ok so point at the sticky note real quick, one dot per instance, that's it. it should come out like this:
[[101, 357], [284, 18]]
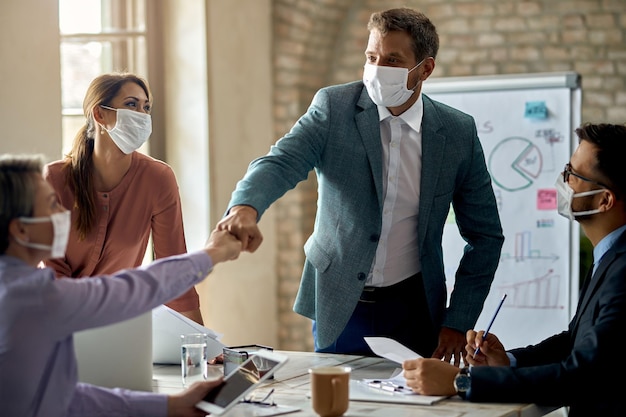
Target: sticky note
[[546, 199], [536, 110]]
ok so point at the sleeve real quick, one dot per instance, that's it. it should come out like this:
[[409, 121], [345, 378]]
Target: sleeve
[[168, 233], [97, 301], [53, 175], [93, 401], [479, 224], [288, 161]]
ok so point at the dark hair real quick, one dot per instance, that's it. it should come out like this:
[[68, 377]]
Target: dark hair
[[18, 177], [416, 24], [79, 161], [610, 143]]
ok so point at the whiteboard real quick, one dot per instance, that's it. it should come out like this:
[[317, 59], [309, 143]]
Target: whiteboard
[[526, 127]]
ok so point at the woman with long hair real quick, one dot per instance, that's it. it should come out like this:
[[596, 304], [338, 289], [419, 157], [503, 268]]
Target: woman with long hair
[[118, 196]]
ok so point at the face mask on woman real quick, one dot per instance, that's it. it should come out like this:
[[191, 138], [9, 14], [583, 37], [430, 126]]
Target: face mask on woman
[[386, 86], [61, 223], [565, 197], [132, 129]]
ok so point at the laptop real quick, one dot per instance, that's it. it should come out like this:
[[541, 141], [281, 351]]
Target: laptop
[[167, 326], [118, 355]]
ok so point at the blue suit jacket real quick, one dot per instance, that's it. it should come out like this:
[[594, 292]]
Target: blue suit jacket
[[574, 367], [339, 137]]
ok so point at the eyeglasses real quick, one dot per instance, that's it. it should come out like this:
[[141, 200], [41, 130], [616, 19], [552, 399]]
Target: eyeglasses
[[567, 171], [265, 402]]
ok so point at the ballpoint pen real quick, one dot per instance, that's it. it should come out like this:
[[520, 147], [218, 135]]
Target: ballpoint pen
[[491, 322]]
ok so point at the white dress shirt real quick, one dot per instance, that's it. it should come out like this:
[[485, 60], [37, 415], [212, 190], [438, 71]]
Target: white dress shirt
[[397, 254]]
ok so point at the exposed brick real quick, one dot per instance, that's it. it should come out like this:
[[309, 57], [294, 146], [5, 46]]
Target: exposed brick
[[573, 20], [526, 54], [620, 99], [555, 53], [601, 21], [545, 24], [604, 37], [595, 98], [528, 8], [574, 36], [594, 114], [616, 115], [490, 39], [510, 24]]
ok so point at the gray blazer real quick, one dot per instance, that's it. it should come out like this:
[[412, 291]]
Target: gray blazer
[[339, 137]]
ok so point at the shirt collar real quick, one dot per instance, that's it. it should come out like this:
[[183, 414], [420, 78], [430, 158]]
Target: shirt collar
[[411, 116], [605, 244]]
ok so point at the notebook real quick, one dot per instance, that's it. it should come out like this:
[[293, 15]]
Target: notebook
[[167, 326], [118, 355]]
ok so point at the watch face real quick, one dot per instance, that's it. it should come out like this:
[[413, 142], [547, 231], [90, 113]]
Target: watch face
[[462, 383]]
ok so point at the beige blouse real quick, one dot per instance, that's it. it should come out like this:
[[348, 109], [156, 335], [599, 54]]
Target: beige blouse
[[146, 200]]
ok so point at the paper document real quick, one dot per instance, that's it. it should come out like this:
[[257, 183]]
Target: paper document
[[396, 383], [390, 349], [394, 389], [362, 391]]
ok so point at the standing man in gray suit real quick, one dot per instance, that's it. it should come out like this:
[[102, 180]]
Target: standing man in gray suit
[[389, 162]]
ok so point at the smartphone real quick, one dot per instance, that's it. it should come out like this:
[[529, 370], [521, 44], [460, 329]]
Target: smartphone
[[246, 378]]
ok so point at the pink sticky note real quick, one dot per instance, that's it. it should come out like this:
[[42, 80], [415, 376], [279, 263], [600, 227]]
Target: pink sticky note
[[546, 199]]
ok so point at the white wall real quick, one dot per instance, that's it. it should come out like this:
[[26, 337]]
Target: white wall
[[30, 75], [219, 100]]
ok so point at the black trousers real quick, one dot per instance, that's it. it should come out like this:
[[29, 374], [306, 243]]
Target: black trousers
[[399, 312]]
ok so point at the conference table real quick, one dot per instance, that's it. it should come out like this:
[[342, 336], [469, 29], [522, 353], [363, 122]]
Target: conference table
[[290, 387]]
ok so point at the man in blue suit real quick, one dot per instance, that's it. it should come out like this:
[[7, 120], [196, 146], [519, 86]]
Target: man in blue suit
[[389, 163], [572, 368]]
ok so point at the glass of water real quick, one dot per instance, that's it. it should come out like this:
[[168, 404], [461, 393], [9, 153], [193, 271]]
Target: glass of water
[[193, 349]]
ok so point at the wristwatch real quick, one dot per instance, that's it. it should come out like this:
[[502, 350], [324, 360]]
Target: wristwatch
[[463, 382]]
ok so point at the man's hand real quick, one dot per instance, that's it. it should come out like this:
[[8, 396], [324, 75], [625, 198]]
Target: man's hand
[[430, 376], [184, 403], [492, 352], [222, 246], [451, 345], [241, 222]]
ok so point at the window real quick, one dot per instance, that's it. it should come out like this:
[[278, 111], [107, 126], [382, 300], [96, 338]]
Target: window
[[97, 36]]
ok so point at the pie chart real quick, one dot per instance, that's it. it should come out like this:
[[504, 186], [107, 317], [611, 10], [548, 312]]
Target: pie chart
[[515, 163]]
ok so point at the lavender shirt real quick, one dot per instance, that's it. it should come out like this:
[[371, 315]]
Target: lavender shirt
[[39, 314]]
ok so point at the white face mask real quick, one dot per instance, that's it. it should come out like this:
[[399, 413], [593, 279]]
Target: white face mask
[[566, 196], [61, 223], [386, 86], [132, 129]]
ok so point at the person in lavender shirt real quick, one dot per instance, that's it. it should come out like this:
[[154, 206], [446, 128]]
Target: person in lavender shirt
[[39, 314]]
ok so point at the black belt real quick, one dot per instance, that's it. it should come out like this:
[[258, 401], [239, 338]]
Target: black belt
[[401, 289]]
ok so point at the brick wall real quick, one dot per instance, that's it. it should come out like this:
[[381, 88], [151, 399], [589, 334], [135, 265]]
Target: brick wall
[[321, 42]]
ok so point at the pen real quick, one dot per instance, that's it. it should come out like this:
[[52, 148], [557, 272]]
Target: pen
[[491, 322]]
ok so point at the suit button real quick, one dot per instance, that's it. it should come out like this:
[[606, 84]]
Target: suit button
[[361, 276], [374, 238]]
